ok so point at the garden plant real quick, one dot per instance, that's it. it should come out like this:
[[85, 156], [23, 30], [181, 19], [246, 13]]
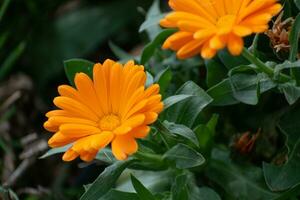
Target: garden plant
[[206, 109]]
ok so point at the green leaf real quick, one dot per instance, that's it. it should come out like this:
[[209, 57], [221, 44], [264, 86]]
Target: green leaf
[[285, 65], [205, 134], [297, 2], [239, 181], [294, 42], [290, 91], [56, 151], [182, 131], [119, 195], [247, 85], [205, 137], [184, 156], [222, 94], [283, 177], [212, 123], [151, 24], [76, 65], [3, 8], [216, 72], [179, 188], [105, 180], [154, 181], [152, 46], [10, 60], [163, 78], [170, 101], [187, 111], [141, 190], [245, 88]]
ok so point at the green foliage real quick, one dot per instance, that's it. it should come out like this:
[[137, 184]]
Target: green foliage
[[229, 128], [105, 180], [286, 176], [152, 46], [74, 66], [142, 192], [184, 156]]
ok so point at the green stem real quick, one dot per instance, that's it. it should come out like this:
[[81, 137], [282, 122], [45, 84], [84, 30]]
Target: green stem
[[262, 67], [149, 157]]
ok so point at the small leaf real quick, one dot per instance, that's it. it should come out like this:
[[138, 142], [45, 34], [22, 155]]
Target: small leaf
[[179, 188], [245, 88], [163, 78], [291, 92], [151, 24], [76, 65], [184, 156], [141, 190], [105, 180], [151, 47], [205, 137], [182, 131], [186, 112], [56, 151], [222, 94]]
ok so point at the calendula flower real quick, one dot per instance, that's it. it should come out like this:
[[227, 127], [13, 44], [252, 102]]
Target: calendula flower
[[114, 107], [206, 26]]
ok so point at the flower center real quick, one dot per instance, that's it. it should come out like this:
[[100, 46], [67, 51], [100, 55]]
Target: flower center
[[109, 122], [226, 22]]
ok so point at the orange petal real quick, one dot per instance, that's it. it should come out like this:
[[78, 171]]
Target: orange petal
[[235, 45], [122, 146], [70, 155], [141, 131], [207, 52], [78, 130], [58, 140]]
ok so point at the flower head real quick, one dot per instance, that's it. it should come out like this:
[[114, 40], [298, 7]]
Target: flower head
[[206, 26], [114, 107]]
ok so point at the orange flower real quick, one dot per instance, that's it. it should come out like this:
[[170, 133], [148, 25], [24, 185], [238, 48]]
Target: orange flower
[[206, 26], [113, 108]]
